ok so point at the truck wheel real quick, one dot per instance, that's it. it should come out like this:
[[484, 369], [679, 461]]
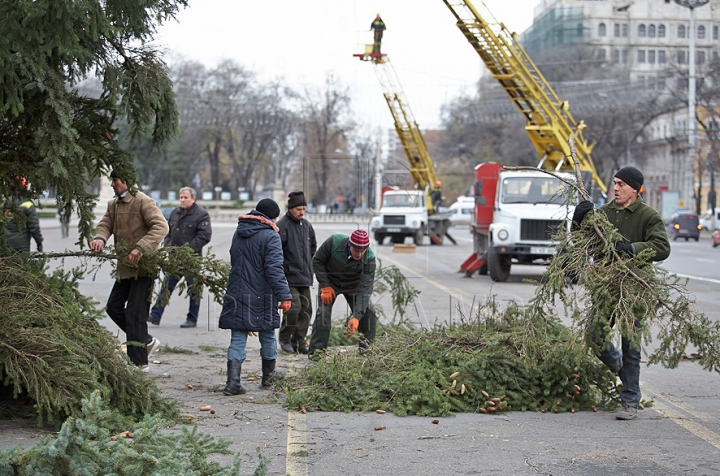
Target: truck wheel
[[397, 239], [498, 266], [379, 237], [418, 237]]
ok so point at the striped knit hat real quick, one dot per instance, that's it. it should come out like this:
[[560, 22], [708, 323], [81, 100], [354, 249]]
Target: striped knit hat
[[359, 239]]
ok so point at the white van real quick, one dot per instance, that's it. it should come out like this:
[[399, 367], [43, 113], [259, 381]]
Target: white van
[[462, 210], [706, 219]]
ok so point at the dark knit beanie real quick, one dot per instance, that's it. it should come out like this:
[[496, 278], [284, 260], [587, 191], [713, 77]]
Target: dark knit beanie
[[631, 176], [114, 174], [296, 199], [268, 207]]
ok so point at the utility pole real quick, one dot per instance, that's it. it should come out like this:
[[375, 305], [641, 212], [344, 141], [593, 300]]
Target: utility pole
[[689, 184]]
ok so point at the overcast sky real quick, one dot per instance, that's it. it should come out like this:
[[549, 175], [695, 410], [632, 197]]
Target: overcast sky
[[302, 41]]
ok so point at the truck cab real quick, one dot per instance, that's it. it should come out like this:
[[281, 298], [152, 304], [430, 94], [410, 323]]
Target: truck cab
[[403, 214], [516, 215]]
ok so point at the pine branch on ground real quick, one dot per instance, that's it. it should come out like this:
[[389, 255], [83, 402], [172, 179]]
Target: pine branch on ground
[[94, 443]]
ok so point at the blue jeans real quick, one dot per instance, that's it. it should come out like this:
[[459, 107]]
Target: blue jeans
[[629, 359], [193, 311], [238, 340]]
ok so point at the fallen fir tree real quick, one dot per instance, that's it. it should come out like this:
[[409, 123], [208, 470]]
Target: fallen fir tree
[[100, 441], [54, 353], [522, 360]]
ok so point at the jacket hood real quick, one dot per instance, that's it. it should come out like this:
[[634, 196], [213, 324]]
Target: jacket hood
[[252, 223]]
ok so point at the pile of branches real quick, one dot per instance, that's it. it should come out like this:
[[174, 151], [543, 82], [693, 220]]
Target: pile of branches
[[54, 353], [98, 441], [520, 359]]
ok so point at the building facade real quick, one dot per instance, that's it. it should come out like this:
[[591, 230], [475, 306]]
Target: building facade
[[644, 37], [649, 41]]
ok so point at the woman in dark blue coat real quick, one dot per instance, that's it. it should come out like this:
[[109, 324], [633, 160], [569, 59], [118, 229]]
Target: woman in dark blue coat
[[256, 284]]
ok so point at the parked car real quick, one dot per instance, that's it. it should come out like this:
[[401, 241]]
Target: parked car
[[684, 224], [706, 219], [462, 210]]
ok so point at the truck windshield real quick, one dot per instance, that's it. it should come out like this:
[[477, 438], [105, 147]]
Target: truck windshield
[[402, 200], [532, 190]]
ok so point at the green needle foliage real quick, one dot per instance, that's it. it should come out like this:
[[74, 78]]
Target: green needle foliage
[[54, 352], [621, 290], [205, 271], [91, 443], [50, 133], [527, 361]]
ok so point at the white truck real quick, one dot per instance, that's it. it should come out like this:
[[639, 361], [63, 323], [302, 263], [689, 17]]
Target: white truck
[[516, 214], [404, 213]]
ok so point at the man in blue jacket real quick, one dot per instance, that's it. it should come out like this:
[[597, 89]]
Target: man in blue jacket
[[255, 287], [189, 225]]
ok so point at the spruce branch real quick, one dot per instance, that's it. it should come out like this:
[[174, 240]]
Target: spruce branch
[[632, 293]]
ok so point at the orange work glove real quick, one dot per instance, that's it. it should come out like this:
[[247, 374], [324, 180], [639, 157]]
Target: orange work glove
[[327, 295], [352, 326], [285, 305]]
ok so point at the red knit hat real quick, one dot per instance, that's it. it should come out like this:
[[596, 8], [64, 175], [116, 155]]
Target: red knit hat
[[359, 239]]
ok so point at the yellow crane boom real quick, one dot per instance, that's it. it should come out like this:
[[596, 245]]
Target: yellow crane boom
[[421, 166], [548, 121]]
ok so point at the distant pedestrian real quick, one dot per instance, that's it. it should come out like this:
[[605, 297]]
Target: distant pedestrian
[[189, 225], [255, 287], [22, 219], [299, 245], [344, 265], [641, 227], [378, 27], [132, 218], [64, 212]]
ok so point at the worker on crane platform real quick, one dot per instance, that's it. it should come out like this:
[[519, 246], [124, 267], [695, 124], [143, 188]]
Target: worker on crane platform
[[436, 195], [378, 26]]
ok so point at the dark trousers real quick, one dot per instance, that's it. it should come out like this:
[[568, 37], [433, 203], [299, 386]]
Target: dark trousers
[[194, 309], [377, 39], [323, 323], [296, 321], [128, 307]]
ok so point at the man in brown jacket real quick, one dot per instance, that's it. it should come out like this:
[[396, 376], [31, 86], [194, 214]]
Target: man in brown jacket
[[132, 217]]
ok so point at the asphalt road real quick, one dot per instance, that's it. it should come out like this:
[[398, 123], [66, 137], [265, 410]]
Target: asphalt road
[[680, 435]]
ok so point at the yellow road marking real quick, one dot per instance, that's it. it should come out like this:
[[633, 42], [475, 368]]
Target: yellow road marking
[[296, 451], [296, 456], [696, 413], [690, 425]]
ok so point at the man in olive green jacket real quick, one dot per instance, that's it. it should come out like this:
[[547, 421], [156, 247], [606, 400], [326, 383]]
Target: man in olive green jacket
[[344, 265], [642, 227], [133, 218]]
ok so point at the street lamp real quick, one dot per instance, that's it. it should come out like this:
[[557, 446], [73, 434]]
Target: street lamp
[[692, 122]]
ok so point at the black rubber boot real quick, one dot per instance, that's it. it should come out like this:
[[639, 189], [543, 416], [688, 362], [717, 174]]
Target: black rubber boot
[[233, 387], [270, 375]]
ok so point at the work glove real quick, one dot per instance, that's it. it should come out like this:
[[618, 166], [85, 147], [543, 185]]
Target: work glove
[[327, 295], [352, 326], [285, 305], [581, 210], [624, 248]]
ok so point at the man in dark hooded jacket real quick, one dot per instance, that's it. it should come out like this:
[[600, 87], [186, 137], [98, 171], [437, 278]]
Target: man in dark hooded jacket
[[255, 286]]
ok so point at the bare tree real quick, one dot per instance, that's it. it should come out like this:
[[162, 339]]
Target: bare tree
[[324, 130]]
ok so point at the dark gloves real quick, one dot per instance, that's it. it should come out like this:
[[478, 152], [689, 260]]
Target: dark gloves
[[581, 210], [626, 248]]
